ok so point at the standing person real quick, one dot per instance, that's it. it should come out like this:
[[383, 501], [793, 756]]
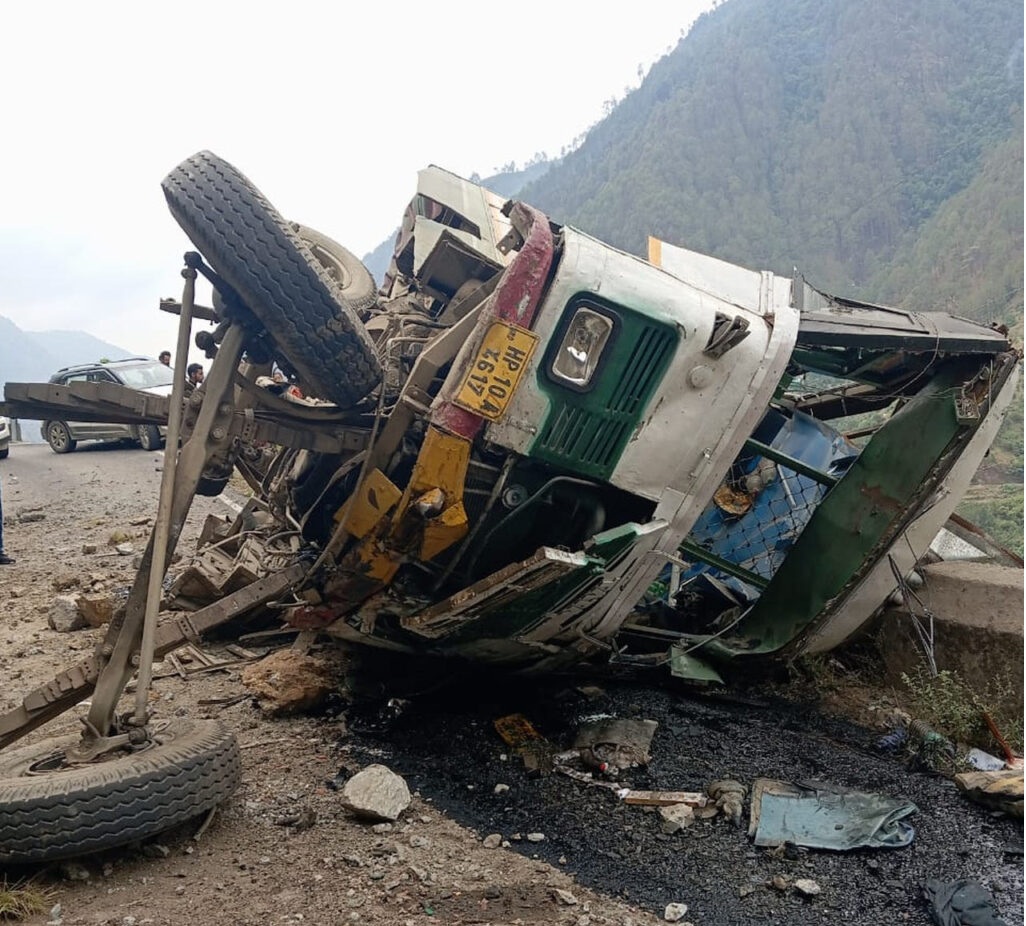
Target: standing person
[[195, 373], [165, 357], [5, 560]]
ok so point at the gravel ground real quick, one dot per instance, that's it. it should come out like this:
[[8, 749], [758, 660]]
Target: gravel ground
[[620, 850]]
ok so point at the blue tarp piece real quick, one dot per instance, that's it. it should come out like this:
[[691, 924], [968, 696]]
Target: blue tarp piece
[[760, 539], [824, 816]]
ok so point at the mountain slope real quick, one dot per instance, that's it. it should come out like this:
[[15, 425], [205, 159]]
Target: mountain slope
[[801, 132]]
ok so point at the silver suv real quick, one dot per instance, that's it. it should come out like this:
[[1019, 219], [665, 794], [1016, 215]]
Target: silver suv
[[140, 373]]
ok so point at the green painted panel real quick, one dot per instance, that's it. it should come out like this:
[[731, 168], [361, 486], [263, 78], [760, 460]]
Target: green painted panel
[[866, 507], [513, 618], [586, 431]]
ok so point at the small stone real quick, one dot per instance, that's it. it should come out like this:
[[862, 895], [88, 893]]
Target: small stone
[[64, 616], [129, 921], [382, 827], [65, 580], [376, 793], [808, 887], [492, 842], [88, 549], [55, 913], [419, 842], [565, 897], [156, 850], [676, 817], [180, 889], [72, 871], [535, 837], [124, 549], [501, 789], [675, 912], [779, 883]]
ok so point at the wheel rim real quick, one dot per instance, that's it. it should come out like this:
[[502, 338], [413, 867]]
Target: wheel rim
[[58, 436]]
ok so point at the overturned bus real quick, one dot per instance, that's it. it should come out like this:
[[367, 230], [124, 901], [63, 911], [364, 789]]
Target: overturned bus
[[529, 448]]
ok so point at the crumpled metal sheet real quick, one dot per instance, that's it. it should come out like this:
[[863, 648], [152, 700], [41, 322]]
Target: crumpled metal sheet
[[824, 816]]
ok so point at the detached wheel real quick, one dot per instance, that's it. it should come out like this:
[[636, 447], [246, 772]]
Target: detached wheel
[[51, 811], [59, 437], [343, 266], [262, 257], [149, 437]]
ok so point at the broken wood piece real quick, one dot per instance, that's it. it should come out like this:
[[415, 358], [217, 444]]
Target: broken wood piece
[[176, 664], [304, 642], [242, 652], [666, 798]]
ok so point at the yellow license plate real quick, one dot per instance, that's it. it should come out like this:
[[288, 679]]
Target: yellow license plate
[[492, 378]]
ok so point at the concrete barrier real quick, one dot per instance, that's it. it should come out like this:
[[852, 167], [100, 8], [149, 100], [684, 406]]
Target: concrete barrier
[[978, 627]]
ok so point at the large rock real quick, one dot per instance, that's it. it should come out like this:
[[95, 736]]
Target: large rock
[[96, 609], [64, 615], [287, 681], [376, 793]]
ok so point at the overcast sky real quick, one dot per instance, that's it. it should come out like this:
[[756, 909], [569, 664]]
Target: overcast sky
[[329, 108]]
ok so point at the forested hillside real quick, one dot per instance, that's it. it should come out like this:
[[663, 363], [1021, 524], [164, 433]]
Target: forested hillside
[[877, 146], [822, 134]]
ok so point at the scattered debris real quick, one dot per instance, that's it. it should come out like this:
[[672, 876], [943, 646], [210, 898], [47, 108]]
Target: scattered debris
[[1006, 750], [612, 744], [376, 793], [984, 761], [665, 798], [285, 681], [64, 616], [824, 816], [520, 735], [729, 796], [676, 817], [961, 903], [1000, 790]]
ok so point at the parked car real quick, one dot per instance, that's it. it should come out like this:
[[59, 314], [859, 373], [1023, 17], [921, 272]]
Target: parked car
[[140, 373], [5, 437]]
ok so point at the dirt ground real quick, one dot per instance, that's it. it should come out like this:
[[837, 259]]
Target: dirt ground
[[246, 868], [283, 850]]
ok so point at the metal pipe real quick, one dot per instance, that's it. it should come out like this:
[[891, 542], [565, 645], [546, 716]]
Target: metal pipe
[[158, 564]]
